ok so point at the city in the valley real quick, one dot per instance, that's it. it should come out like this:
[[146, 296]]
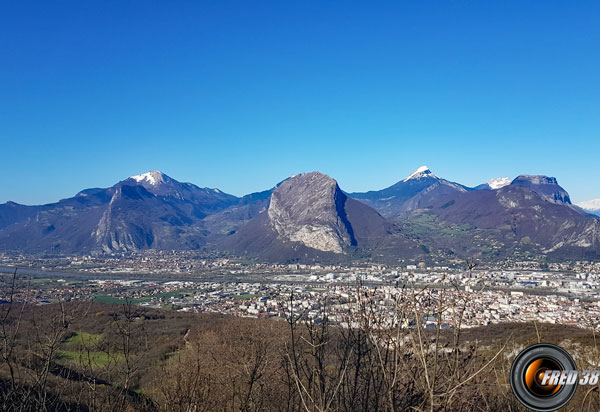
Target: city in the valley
[[510, 291]]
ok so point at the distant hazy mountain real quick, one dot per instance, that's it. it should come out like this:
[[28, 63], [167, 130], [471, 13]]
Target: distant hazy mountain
[[229, 220], [417, 191], [493, 184], [591, 206]]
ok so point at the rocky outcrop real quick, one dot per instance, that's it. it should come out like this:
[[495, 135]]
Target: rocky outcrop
[[309, 209], [545, 186]]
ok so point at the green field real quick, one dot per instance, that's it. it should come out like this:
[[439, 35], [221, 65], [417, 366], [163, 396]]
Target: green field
[[83, 339], [98, 359], [81, 349]]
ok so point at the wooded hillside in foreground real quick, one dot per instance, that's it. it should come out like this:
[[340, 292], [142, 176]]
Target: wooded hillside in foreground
[[96, 357]]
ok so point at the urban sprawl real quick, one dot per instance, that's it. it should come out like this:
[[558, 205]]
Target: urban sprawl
[[511, 291]]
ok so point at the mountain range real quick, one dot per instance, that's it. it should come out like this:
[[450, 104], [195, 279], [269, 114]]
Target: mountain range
[[308, 217]]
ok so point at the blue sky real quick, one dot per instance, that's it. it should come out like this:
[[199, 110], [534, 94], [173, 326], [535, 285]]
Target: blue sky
[[239, 95]]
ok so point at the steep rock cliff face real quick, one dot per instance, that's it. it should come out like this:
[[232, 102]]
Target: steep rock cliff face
[[119, 229], [309, 209], [547, 187]]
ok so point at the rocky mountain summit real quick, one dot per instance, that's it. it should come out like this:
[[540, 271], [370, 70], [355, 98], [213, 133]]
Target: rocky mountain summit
[[310, 209], [545, 186], [416, 191]]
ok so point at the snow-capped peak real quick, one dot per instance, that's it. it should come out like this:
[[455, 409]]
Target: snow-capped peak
[[153, 177], [421, 172], [593, 204], [498, 182]]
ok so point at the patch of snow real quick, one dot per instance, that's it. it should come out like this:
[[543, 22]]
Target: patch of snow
[[498, 182], [421, 172], [154, 177], [593, 204]]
